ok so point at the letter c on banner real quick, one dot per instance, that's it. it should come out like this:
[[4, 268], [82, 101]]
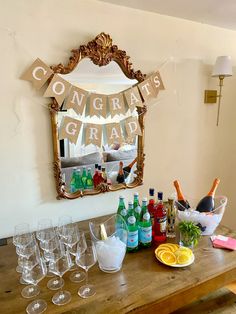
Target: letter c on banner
[[34, 73]]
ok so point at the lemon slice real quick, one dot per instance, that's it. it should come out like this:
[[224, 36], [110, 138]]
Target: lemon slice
[[183, 258], [168, 258], [184, 250]]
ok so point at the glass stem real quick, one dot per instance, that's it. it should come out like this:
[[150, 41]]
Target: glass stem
[[86, 276]]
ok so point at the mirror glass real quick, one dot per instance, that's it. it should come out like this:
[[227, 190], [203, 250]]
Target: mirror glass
[[106, 80]]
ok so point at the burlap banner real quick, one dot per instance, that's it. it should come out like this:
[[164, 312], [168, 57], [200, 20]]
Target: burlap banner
[[97, 105], [93, 134], [113, 132], [38, 74], [76, 100], [58, 88], [157, 83], [146, 89], [133, 98], [70, 129], [132, 127], [116, 104]]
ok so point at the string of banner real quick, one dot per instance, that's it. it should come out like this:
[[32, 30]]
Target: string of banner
[[77, 99]]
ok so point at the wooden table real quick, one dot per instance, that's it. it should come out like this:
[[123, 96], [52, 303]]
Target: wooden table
[[143, 285]]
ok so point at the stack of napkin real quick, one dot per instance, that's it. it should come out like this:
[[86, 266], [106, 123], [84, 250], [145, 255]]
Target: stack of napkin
[[223, 242]]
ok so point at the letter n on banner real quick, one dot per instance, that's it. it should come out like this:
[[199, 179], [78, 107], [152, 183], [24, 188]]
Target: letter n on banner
[[58, 88], [76, 100], [114, 135], [70, 129], [93, 134], [38, 73], [132, 127]]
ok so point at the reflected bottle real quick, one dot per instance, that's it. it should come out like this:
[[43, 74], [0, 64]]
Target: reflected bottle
[[104, 175], [84, 177], [95, 176], [120, 177], [128, 168], [73, 182], [89, 182], [78, 181]]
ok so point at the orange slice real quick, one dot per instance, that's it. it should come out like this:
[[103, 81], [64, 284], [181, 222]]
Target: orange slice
[[183, 258], [168, 258]]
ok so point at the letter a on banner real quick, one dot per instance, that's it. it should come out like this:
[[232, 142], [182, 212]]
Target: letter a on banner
[[38, 73], [113, 133], [93, 134], [58, 88], [133, 98], [70, 129], [132, 127], [76, 100]]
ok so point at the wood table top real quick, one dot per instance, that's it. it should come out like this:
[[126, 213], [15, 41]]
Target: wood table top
[[143, 285]]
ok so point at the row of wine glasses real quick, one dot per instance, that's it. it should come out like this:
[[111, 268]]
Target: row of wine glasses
[[52, 254]]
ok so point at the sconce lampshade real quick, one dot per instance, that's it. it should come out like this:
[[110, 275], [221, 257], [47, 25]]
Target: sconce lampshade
[[222, 67]]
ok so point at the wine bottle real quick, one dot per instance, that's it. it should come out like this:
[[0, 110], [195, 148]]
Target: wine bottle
[[207, 204], [182, 202], [120, 177], [128, 168]]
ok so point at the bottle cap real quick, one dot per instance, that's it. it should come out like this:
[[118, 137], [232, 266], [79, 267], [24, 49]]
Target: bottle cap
[[103, 168], [121, 196], [144, 199], [84, 167], [160, 195], [151, 192], [96, 166], [99, 167], [78, 170], [89, 168], [130, 202], [136, 194]]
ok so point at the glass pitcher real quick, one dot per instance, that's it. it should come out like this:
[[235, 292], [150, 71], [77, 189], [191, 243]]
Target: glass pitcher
[[110, 239]]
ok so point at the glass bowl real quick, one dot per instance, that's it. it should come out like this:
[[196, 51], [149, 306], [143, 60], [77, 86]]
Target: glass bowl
[[207, 221]]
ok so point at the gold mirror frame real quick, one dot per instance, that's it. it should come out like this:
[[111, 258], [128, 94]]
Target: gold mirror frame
[[101, 52]]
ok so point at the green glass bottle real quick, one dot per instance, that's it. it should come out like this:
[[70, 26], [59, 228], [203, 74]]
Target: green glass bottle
[[145, 226], [137, 208], [121, 208], [132, 243], [84, 177], [89, 182], [72, 181], [78, 181]]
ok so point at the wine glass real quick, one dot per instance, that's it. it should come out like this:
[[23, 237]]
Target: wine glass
[[45, 231], [33, 276], [76, 248], [60, 267], [86, 260]]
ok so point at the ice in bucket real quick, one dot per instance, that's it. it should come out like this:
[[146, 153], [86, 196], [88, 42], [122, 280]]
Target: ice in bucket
[[110, 238]]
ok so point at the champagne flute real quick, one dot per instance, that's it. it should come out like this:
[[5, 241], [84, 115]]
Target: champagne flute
[[78, 248], [86, 260], [60, 267]]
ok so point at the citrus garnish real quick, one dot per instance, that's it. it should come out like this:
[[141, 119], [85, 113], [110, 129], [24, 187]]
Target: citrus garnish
[[168, 257], [183, 258]]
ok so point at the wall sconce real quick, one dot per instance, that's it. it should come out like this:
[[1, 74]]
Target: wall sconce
[[222, 68]]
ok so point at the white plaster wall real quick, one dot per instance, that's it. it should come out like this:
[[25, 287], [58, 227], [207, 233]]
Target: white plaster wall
[[181, 138]]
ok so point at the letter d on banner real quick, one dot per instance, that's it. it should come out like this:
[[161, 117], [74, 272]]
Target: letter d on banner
[[132, 127]]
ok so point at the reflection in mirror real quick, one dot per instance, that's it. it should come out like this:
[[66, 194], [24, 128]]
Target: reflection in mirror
[[80, 158]]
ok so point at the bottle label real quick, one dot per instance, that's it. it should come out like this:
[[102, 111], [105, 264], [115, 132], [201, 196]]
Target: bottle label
[[145, 234], [138, 209], [146, 216], [162, 223], [123, 212], [132, 239], [131, 220]]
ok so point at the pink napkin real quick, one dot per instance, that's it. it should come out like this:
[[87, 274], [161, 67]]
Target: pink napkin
[[224, 242]]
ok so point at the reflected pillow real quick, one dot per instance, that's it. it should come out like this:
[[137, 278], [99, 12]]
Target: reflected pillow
[[117, 155], [93, 158]]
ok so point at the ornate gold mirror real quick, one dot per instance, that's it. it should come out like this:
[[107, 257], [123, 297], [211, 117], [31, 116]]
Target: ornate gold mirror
[[99, 68]]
